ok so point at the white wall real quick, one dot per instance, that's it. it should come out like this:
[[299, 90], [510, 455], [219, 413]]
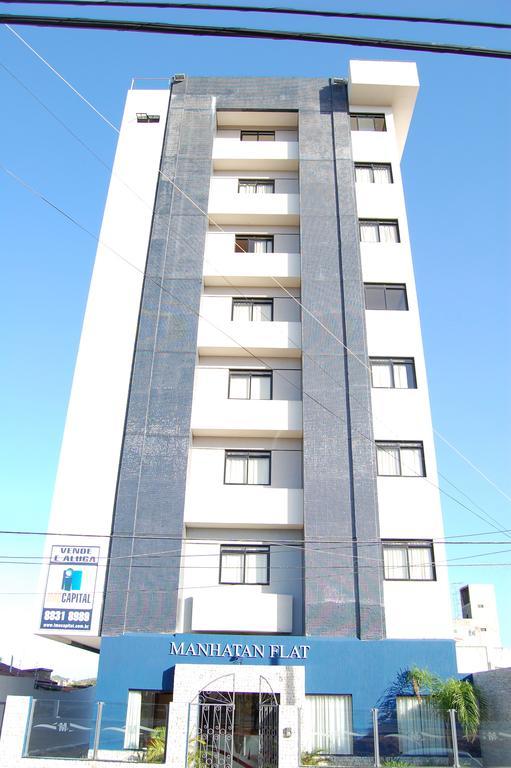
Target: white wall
[[210, 502], [286, 239], [409, 507], [87, 474], [216, 303], [281, 134], [200, 579]]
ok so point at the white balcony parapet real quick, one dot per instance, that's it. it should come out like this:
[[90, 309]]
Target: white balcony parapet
[[253, 269], [230, 609], [244, 506], [254, 209], [262, 338], [252, 418], [232, 154]]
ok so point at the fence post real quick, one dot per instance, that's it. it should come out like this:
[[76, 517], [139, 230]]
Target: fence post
[[28, 729], [376, 739], [454, 739], [97, 730]]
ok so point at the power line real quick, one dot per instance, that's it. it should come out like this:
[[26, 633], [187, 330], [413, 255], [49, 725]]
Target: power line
[[284, 541], [489, 518], [187, 306], [248, 32], [272, 10]]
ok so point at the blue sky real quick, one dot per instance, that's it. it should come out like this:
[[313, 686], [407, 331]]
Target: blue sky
[[456, 170]]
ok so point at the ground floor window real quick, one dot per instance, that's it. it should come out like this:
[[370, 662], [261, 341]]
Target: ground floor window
[[420, 727], [328, 725], [146, 711]]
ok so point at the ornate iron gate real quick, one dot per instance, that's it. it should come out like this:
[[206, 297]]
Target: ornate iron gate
[[210, 742], [268, 726]]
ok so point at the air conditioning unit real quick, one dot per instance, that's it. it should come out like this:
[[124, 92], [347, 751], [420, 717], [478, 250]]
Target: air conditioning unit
[[179, 78]]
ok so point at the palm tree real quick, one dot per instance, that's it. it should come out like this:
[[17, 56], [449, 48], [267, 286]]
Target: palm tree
[[460, 695]]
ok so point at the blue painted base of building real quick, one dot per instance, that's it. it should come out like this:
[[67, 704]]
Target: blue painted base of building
[[365, 669], [373, 673]]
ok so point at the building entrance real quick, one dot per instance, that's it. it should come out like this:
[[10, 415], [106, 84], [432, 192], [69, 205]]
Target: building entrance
[[237, 730]]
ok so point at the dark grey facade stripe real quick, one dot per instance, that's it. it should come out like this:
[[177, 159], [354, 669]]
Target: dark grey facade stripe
[[339, 466], [152, 478]]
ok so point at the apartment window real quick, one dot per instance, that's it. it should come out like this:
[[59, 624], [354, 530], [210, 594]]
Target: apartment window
[[384, 231], [247, 468], [373, 173], [367, 122], [244, 564], [393, 373], [400, 459], [252, 310], [257, 136], [253, 244], [421, 728], [328, 724], [408, 561], [250, 385], [385, 296], [256, 186]]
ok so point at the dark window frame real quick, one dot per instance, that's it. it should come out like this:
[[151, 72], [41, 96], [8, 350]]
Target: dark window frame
[[393, 361], [251, 303], [233, 372], [379, 223], [248, 454], [402, 444], [256, 182], [245, 549], [255, 239], [407, 545], [372, 167], [375, 115], [386, 287], [257, 134]]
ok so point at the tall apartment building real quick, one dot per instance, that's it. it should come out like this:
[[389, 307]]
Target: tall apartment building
[[247, 486]]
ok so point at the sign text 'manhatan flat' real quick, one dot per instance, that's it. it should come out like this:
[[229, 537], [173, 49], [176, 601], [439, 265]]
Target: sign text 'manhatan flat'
[[239, 650]]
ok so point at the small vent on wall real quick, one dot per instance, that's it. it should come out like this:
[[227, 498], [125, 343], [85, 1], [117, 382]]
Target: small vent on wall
[[143, 117]]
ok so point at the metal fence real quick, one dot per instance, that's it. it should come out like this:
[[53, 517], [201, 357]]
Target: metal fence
[[222, 730]]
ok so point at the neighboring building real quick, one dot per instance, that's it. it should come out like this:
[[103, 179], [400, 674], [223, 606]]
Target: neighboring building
[[38, 683], [477, 632], [248, 475]]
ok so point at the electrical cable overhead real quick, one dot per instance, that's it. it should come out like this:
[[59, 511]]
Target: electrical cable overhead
[[197, 30], [214, 223], [271, 10], [488, 518], [159, 285]]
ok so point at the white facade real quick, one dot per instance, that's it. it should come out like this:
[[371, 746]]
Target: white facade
[[477, 632], [244, 481]]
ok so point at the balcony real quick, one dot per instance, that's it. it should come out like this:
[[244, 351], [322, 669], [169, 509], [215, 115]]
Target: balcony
[[261, 269], [231, 154], [243, 506], [229, 208], [250, 418], [231, 609], [282, 339]]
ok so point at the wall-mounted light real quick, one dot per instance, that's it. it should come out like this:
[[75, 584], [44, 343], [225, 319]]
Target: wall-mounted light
[[287, 733]]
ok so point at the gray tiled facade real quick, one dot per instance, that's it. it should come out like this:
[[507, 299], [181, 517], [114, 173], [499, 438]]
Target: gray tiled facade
[[343, 591]]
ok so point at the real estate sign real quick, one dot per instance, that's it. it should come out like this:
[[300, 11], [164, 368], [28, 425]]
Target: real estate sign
[[70, 587]]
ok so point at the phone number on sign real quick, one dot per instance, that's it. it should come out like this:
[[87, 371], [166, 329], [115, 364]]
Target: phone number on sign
[[82, 617]]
